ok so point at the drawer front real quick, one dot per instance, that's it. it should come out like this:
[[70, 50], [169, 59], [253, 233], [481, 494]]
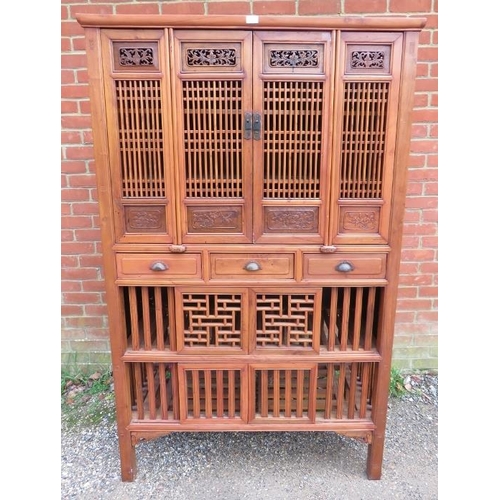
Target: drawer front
[[344, 265], [158, 266], [251, 266]]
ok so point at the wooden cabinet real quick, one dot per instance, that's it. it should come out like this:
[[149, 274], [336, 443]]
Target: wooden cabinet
[[251, 185]]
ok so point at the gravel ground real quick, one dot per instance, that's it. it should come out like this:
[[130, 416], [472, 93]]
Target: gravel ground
[[263, 466]]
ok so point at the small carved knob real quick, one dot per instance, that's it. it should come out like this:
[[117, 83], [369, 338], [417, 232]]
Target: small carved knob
[[327, 249], [177, 248], [158, 266], [344, 267], [252, 266]]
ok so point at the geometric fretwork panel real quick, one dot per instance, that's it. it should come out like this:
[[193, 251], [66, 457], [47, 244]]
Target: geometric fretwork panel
[[285, 320], [212, 319]]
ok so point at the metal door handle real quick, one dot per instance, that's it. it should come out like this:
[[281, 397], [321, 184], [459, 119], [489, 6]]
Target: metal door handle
[[252, 266], [158, 266], [344, 267], [257, 126]]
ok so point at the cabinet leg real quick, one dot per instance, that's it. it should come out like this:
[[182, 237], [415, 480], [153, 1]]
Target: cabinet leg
[[375, 456], [127, 457]]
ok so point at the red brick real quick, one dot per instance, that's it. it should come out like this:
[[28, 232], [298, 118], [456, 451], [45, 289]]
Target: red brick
[[67, 235], [404, 317], [74, 91], [420, 279], [424, 37], [81, 298], [72, 222], [85, 208], [78, 43], [84, 107], [419, 131], [425, 115], [97, 310], [423, 70], [69, 107], [413, 255], [426, 85], [193, 8], [67, 76], [273, 7], [228, 8], [75, 248], [421, 100], [71, 310], [427, 54], [408, 268], [88, 234], [76, 122], [434, 70], [410, 5], [74, 167], [364, 6], [414, 189], [65, 44], [422, 202], [407, 292], [73, 61], [79, 153], [91, 260], [71, 286], [93, 286], [82, 180], [312, 7], [82, 76], [83, 322], [421, 229], [431, 188], [73, 137], [430, 242], [433, 130], [79, 274], [143, 8], [416, 160], [414, 304], [430, 216], [71, 28], [75, 194], [430, 316], [419, 146]]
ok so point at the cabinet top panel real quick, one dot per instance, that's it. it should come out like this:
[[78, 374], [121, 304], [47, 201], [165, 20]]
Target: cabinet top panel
[[252, 22]]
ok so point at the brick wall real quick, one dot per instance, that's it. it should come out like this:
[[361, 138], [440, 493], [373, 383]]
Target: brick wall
[[85, 344]]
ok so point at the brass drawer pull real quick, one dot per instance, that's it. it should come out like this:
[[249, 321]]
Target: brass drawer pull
[[252, 266], [158, 266], [344, 267]]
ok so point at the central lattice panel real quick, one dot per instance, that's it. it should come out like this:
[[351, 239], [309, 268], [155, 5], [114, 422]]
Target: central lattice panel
[[213, 138], [283, 394], [363, 139], [213, 392], [212, 320], [292, 139], [140, 133], [288, 320]]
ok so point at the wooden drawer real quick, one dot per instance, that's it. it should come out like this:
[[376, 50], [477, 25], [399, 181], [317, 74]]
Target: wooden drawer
[[158, 266], [318, 266], [251, 266]]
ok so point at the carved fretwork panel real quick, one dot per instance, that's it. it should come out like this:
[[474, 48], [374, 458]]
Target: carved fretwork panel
[[287, 320], [212, 321], [135, 56]]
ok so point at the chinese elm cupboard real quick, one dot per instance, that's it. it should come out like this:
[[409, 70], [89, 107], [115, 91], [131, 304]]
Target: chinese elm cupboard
[[251, 175]]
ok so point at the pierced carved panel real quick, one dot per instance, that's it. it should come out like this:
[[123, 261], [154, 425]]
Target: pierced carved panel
[[293, 58], [202, 56], [368, 59], [135, 56]]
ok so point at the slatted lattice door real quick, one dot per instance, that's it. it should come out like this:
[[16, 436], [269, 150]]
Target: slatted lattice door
[[292, 100], [367, 90], [139, 131], [213, 92]]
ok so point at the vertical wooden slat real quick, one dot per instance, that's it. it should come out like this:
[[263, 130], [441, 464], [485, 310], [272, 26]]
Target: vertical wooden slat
[[340, 391], [300, 392], [196, 393], [219, 387], [264, 393], [138, 391], [288, 393], [150, 376], [232, 394], [370, 315], [159, 309], [329, 391], [146, 320], [276, 393], [364, 389], [352, 390], [134, 317], [208, 393], [344, 331], [162, 375], [358, 310], [332, 327]]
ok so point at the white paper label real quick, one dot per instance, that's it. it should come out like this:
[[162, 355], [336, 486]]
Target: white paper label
[[252, 19]]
